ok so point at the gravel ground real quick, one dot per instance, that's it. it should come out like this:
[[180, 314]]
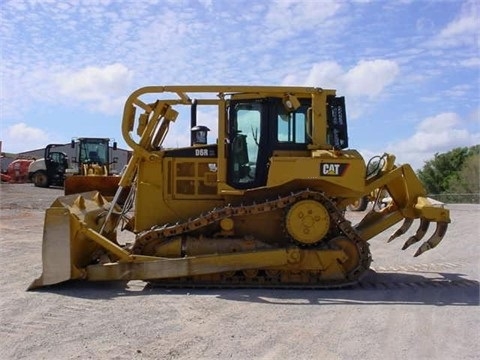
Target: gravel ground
[[406, 308]]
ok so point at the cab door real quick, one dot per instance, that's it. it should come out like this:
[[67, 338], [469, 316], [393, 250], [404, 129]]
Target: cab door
[[249, 146]]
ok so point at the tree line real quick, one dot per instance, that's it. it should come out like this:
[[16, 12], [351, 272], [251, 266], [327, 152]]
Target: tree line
[[453, 177]]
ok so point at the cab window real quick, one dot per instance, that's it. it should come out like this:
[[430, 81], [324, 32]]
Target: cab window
[[292, 127], [245, 142]]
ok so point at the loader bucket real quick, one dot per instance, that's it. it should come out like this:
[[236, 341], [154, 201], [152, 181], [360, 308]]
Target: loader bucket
[[106, 185], [67, 247]]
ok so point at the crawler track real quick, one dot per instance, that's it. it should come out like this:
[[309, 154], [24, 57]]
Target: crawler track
[[263, 277]]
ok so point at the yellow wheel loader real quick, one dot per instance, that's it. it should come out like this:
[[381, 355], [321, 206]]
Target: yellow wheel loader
[[262, 205], [92, 170]]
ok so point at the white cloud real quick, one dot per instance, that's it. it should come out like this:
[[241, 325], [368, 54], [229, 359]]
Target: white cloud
[[101, 88], [289, 17], [367, 78], [439, 133], [298, 13], [439, 123], [206, 3], [326, 74], [474, 117], [93, 82], [471, 62], [464, 29], [466, 23], [361, 83], [20, 137]]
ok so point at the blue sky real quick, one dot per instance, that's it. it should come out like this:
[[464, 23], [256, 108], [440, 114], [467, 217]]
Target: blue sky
[[410, 70]]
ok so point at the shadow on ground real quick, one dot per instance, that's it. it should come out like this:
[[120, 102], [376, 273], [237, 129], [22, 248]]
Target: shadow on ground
[[441, 289]]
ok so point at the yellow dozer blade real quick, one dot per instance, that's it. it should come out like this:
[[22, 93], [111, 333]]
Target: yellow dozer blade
[[78, 244], [106, 185]]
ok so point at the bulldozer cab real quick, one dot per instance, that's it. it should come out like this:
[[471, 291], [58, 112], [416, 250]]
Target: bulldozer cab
[[259, 127]]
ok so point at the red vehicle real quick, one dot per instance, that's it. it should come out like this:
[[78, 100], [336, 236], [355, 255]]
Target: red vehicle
[[17, 171], [5, 177]]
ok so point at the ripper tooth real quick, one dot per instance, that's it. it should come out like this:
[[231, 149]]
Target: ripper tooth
[[402, 230], [421, 231], [434, 239]]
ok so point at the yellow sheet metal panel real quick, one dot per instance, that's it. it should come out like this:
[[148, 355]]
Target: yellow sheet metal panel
[[339, 175]]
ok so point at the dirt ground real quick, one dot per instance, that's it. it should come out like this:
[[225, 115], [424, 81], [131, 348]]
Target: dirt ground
[[406, 308]]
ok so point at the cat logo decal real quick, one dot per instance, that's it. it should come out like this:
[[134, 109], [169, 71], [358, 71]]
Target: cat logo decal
[[332, 169]]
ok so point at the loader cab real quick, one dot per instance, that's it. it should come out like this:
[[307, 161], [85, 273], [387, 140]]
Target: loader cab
[[92, 150], [258, 127]]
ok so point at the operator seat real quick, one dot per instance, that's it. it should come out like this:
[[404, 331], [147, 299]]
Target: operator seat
[[93, 157]]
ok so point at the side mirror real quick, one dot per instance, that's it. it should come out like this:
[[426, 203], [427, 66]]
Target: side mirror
[[72, 144], [114, 145]]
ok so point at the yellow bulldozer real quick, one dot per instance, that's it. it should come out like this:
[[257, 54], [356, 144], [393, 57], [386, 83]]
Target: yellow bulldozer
[[263, 205]]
